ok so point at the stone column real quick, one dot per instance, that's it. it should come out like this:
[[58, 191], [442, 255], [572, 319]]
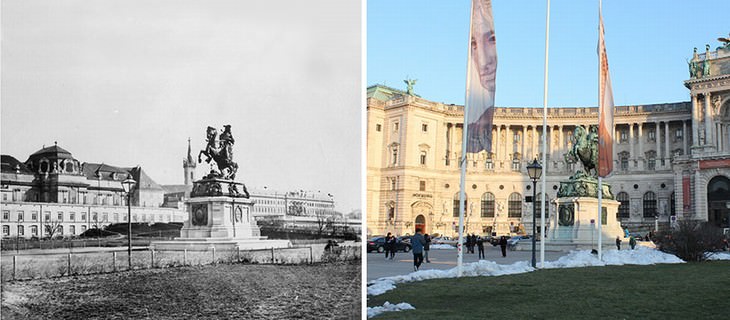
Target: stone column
[[695, 122], [497, 153], [685, 136], [522, 140], [657, 140], [709, 136], [561, 144], [632, 155], [667, 151], [535, 143], [641, 141]]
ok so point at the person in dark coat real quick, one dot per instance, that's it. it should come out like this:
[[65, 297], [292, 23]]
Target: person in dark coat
[[427, 247], [632, 242], [392, 246], [480, 247], [386, 245], [503, 245], [618, 243]]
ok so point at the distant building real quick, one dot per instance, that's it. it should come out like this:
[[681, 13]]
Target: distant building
[[52, 193]]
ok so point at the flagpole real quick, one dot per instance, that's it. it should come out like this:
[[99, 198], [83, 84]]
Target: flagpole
[[462, 161], [544, 123], [599, 221]]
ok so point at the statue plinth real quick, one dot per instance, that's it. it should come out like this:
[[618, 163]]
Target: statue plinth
[[583, 186], [219, 216], [576, 224]]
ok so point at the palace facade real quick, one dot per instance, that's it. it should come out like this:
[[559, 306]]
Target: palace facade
[[672, 160], [53, 194]]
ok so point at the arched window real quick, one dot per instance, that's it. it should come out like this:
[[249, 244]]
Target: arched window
[[538, 205], [488, 205], [456, 204], [649, 204], [623, 208], [514, 205], [423, 158]]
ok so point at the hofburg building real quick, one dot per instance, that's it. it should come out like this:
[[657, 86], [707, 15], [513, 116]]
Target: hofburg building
[[671, 160]]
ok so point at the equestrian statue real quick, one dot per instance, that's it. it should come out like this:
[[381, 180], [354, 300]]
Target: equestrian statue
[[221, 151]]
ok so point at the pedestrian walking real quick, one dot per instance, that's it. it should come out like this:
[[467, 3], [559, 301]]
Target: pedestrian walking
[[618, 242], [417, 243], [503, 246], [480, 247], [392, 245], [386, 245], [427, 247], [632, 242]]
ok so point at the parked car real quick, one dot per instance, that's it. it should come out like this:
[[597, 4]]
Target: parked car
[[378, 244], [637, 236], [512, 242]]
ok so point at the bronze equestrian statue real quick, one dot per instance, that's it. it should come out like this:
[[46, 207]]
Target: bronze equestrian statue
[[220, 151]]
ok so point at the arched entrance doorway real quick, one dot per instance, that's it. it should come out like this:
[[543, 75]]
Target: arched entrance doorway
[[718, 201], [421, 223]]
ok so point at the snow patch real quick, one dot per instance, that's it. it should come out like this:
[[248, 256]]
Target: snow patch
[[388, 307], [718, 256]]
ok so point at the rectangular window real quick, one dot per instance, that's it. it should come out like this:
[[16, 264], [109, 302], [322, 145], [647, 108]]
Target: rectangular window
[[489, 165], [378, 127], [72, 216], [21, 230], [424, 127], [624, 136], [34, 230], [651, 164], [47, 216], [6, 230], [5, 196], [72, 230], [395, 126], [678, 134], [83, 216], [652, 135], [422, 186], [34, 215], [60, 216], [516, 137], [105, 217], [21, 216], [6, 214], [625, 163], [515, 165]]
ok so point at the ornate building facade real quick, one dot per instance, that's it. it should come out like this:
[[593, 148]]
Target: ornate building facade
[[672, 160], [53, 194]]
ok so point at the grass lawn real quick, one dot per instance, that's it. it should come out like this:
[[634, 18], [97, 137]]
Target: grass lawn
[[225, 291], [666, 291]]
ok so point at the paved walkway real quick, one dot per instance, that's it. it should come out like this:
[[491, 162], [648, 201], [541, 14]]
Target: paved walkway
[[378, 267]]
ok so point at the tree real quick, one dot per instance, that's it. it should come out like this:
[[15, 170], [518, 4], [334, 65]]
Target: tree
[[691, 240]]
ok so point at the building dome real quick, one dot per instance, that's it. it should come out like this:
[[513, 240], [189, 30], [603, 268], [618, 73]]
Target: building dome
[[53, 159]]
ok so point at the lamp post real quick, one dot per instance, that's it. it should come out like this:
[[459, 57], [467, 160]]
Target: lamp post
[[128, 184], [534, 171]]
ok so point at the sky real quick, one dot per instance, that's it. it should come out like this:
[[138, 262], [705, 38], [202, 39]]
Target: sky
[[128, 82], [647, 42]]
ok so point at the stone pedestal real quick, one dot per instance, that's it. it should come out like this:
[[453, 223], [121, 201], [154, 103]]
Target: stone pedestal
[[576, 224], [220, 217]]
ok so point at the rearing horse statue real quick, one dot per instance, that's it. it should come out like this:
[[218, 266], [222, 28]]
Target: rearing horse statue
[[585, 149], [221, 153]]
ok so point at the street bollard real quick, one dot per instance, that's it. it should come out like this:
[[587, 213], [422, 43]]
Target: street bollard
[[114, 260], [152, 258], [272, 256], [185, 257], [238, 254], [68, 271], [311, 255], [213, 255], [14, 262]]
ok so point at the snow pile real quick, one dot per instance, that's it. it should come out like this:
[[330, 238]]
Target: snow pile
[[442, 246], [640, 256], [474, 269], [387, 306], [718, 256]]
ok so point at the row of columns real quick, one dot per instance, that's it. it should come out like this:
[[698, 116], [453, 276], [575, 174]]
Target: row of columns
[[713, 133], [657, 134]]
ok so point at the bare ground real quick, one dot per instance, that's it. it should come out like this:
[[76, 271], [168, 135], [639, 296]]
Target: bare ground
[[226, 291]]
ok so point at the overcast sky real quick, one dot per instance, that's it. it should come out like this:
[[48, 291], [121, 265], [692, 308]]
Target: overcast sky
[[127, 82]]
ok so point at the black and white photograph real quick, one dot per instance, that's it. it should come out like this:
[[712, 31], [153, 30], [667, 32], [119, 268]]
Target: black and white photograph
[[181, 159]]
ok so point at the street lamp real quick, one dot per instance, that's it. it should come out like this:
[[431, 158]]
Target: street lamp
[[534, 171], [128, 184]]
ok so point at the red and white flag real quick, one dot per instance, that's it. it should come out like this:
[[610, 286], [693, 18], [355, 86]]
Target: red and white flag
[[605, 109], [481, 75]]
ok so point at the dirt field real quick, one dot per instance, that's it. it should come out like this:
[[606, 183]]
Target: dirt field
[[226, 291]]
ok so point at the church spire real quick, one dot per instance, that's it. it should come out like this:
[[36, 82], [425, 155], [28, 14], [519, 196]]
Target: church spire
[[189, 166]]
